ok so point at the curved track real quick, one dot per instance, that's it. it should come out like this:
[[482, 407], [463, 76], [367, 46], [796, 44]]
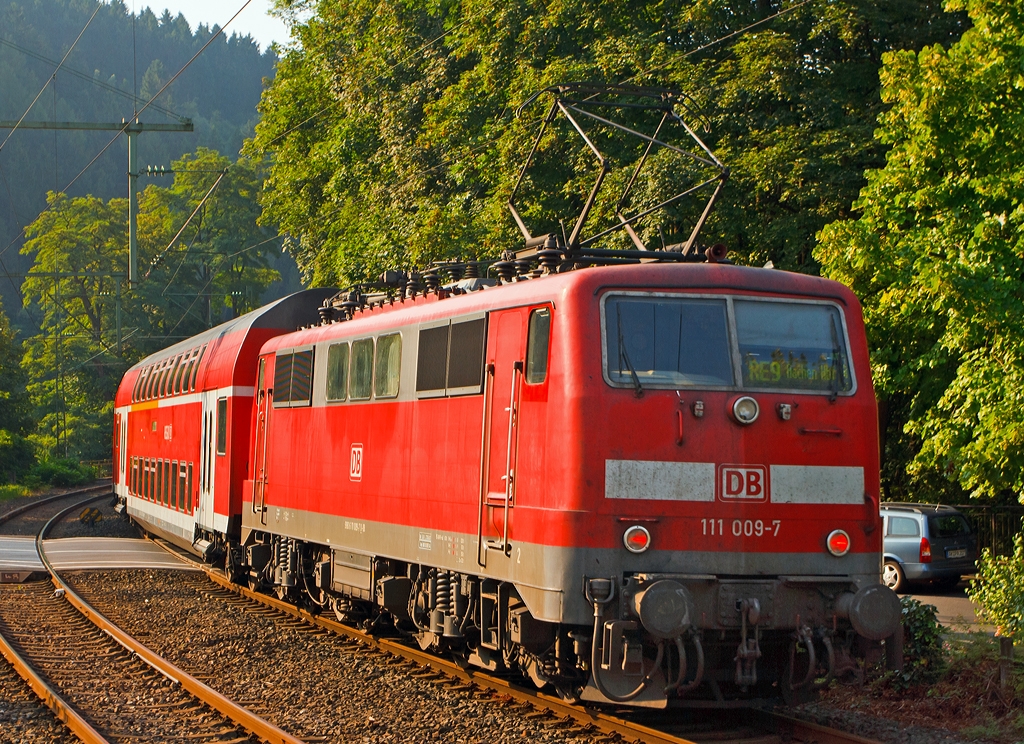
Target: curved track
[[102, 683]]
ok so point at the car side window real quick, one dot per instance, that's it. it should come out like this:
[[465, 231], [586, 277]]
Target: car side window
[[903, 527]]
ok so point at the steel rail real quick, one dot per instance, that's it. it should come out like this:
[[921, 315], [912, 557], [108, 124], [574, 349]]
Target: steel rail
[[228, 708], [50, 697], [18, 511]]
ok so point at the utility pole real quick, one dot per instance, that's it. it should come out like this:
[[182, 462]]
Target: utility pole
[[132, 129]]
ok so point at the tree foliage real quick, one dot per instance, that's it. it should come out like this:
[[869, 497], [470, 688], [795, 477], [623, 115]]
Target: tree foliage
[[117, 57], [196, 273], [937, 257], [15, 451], [392, 130]]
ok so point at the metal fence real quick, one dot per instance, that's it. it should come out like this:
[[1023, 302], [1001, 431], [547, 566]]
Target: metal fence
[[995, 526], [104, 468]]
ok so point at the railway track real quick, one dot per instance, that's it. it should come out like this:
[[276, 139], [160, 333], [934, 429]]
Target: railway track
[[735, 726], [103, 684]]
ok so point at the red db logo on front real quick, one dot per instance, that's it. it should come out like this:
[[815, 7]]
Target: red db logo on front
[[742, 483]]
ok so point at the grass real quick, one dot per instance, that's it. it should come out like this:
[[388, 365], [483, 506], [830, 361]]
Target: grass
[[8, 492]]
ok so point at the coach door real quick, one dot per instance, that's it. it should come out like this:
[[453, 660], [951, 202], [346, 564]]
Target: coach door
[[259, 476], [207, 460], [504, 380]]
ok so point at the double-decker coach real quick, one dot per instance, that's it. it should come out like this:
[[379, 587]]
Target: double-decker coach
[[181, 426]]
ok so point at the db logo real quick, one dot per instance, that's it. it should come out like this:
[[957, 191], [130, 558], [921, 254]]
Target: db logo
[[742, 483], [355, 464]]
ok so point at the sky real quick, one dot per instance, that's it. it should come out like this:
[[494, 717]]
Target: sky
[[254, 20]]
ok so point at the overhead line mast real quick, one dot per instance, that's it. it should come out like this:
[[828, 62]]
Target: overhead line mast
[[132, 129]]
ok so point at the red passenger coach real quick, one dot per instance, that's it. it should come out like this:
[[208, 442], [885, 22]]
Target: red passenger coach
[[181, 423]]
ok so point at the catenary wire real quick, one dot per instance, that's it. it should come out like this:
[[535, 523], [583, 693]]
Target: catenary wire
[[53, 76]]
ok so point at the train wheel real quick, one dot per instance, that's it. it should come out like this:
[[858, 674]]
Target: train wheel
[[893, 576]]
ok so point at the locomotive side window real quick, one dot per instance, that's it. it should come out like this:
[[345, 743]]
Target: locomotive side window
[[466, 357], [451, 358], [361, 382], [432, 363], [337, 372], [388, 366], [302, 377], [793, 346], [222, 426], [537, 346], [283, 379], [668, 341], [293, 379]]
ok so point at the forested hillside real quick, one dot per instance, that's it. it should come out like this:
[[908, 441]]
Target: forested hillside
[[218, 92]]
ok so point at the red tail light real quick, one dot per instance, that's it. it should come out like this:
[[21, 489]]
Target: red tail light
[[926, 551]]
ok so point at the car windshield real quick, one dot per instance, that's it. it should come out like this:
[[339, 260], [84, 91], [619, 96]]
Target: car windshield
[[686, 341], [948, 525]]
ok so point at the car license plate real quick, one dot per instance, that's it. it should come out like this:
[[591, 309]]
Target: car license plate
[[961, 553]]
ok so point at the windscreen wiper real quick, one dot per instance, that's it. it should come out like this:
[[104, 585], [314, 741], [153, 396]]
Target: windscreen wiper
[[624, 357]]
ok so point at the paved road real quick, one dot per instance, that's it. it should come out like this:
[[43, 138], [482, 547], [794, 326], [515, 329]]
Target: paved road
[[955, 610]]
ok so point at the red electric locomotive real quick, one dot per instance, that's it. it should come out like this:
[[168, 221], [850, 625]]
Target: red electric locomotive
[[653, 482]]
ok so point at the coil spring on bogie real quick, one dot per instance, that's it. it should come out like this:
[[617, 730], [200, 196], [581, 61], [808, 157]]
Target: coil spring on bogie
[[443, 592]]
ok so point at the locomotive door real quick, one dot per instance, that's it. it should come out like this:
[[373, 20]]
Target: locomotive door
[[505, 353], [259, 475], [207, 460]]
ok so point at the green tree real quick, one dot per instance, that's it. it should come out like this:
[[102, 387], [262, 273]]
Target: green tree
[[73, 362], [937, 257], [218, 266], [15, 451], [196, 273], [393, 138]]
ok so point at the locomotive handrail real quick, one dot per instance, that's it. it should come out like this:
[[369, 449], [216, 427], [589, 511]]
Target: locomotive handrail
[[485, 458]]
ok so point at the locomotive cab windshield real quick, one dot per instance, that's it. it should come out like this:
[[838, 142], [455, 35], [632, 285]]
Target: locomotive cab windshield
[[675, 341]]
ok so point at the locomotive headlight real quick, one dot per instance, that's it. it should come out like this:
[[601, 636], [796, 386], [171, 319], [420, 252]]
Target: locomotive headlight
[[745, 410], [838, 543], [636, 539]]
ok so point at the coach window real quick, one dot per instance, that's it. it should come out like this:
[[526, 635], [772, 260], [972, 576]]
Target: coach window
[[188, 490], [388, 366], [195, 370], [182, 487], [222, 426], [178, 371], [337, 372], [160, 481], [161, 385], [145, 478], [362, 370], [537, 346], [150, 380]]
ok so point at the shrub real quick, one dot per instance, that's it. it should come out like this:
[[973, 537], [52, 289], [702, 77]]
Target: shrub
[[923, 660], [998, 592], [59, 473]]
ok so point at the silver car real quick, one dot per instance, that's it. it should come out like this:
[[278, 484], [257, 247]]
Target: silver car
[[926, 542]]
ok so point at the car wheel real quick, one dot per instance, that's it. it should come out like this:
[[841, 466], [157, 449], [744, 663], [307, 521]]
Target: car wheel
[[893, 577]]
